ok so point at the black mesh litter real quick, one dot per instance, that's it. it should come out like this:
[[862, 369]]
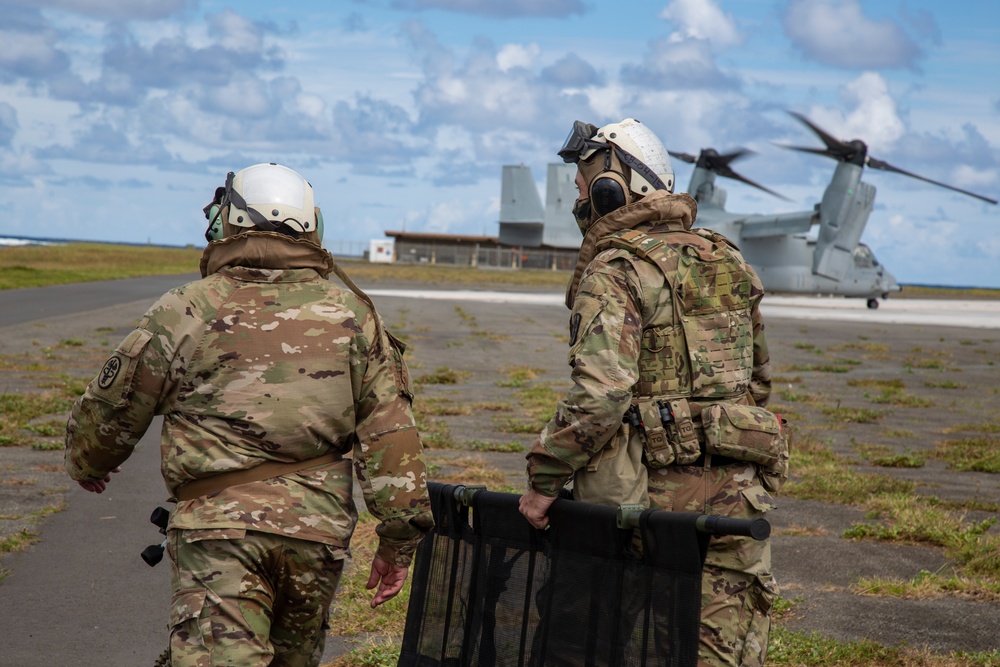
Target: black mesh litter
[[494, 592]]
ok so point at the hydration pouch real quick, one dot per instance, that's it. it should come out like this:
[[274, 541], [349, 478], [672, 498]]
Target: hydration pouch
[[745, 433]]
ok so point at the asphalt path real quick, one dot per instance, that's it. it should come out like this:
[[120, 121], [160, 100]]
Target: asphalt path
[[83, 596], [18, 306]]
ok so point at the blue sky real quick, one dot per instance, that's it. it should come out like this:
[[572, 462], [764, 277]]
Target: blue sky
[[119, 117]]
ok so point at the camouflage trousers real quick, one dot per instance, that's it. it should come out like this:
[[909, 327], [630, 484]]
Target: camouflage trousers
[[737, 589], [249, 599]]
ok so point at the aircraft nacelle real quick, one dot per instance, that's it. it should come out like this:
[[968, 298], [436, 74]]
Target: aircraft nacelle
[[843, 211]]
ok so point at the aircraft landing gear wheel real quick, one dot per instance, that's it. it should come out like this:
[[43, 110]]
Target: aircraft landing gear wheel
[[873, 303]]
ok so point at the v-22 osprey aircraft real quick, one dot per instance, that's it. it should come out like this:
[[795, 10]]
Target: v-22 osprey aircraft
[[778, 246]]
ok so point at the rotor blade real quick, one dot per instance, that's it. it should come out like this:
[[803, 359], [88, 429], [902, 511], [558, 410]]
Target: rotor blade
[[808, 149], [832, 142], [729, 173], [683, 157], [885, 166]]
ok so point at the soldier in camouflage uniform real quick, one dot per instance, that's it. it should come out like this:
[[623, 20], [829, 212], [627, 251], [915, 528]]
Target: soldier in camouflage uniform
[[665, 324], [271, 381]]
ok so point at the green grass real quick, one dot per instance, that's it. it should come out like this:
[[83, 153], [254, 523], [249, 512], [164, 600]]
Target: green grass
[[477, 445], [820, 474], [36, 266], [853, 415], [788, 648], [820, 368], [901, 398], [518, 376], [18, 410], [886, 457], [443, 375], [979, 454]]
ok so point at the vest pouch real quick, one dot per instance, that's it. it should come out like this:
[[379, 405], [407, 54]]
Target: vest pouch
[[744, 433], [659, 451], [681, 432], [774, 477]]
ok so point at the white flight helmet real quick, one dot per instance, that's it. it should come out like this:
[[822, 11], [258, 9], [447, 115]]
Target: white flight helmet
[[638, 141], [268, 197], [606, 155], [273, 193]]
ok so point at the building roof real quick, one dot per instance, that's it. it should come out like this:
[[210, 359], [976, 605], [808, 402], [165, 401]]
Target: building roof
[[443, 238]]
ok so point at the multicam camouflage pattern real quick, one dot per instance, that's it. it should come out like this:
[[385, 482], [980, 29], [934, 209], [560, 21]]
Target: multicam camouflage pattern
[[224, 612], [737, 586], [621, 298], [633, 341], [269, 363]]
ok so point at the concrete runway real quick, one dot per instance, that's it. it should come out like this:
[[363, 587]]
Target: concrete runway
[[977, 314]]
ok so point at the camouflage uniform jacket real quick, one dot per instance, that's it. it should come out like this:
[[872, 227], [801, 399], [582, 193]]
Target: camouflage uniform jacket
[[264, 360], [622, 295]]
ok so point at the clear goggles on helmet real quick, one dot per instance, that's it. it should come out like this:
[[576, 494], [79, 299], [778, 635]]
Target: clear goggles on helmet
[[579, 142]]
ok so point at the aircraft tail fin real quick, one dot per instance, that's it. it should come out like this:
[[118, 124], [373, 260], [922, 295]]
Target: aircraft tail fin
[[522, 215]]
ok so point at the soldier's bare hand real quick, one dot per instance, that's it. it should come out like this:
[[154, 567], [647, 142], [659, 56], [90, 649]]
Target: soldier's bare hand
[[98, 485], [535, 507], [389, 578]]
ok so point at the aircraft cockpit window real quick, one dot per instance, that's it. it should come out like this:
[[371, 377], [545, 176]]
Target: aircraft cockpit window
[[863, 258]]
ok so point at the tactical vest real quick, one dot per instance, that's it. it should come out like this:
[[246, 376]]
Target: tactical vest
[[706, 351]]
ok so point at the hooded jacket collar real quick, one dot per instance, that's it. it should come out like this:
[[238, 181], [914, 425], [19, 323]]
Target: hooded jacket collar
[[658, 206], [265, 250]]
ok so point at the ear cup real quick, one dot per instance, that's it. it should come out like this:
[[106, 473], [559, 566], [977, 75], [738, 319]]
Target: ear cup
[[214, 231], [319, 225], [607, 193]]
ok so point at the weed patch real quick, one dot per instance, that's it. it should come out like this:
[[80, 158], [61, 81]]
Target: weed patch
[[853, 415], [820, 368], [519, 376], [946, 384], [885, 457], [443, 375], [900, 397], [929, 585], [820, 474], [495, 446], [979, 454]]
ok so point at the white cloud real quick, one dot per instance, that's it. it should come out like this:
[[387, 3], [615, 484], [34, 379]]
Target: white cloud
[[235, 33], [8, 123], [968, 177], [517, 55], [505, 9], [29, 45], [670, 64], [701, 19], [837, 33], [874, 118]]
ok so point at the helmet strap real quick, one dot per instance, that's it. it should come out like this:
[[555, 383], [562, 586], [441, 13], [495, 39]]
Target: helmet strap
[[637, 165]]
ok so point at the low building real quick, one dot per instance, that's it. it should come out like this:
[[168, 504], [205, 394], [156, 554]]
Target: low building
[[472, 250]]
